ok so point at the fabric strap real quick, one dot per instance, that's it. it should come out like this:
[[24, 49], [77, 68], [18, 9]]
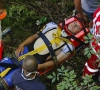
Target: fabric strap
[[49, 46]]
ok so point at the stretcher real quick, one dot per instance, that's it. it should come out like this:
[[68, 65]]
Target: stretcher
[[78, 44], [77, 40]]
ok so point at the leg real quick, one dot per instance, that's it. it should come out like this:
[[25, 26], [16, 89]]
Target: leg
[[91, 66]]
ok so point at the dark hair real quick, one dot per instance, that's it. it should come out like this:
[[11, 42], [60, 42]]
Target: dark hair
[[30, 64]]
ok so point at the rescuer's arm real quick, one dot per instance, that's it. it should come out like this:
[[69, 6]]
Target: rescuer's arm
[[78, 7], [26, 42], [61, 57]]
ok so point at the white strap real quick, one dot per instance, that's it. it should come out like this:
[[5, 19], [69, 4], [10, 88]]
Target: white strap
[[90, 69]]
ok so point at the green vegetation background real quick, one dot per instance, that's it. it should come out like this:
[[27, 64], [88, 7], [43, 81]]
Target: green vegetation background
[[22, 16]]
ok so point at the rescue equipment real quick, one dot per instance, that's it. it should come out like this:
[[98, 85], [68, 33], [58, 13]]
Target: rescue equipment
[[7, 75], [76, 39], [56, 40]]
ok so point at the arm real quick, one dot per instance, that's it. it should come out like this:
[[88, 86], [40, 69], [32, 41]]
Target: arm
[[61, 57], [78, 7], [30, 39], [26, 42]]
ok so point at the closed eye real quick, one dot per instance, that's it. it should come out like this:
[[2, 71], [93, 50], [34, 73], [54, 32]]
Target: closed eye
[[77, 25]]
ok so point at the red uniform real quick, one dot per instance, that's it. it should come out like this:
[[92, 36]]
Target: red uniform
[[91, 65]]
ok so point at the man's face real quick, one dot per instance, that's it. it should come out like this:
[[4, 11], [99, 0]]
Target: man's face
[[74, 27]]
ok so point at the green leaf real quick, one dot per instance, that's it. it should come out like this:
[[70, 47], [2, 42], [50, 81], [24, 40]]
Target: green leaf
[[86, 49], [53, 80], [92, 52], [22, 7], [84, 77], [59, 74], [32, 13], [86, 41], [58, 78], [73, 76], [59, 70], [53, 73], [66, 79], [85, 37], [86, 52], [66, 86], [71, 88], [71, 79], [10, 13], [62, 68], [71, 72], [98, 60], [90, 35], [67, 74], [89, 55], [99, 65], [50, 76]]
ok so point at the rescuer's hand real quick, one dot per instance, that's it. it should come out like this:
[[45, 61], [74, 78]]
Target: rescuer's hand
[[83, 16], [19, 50]]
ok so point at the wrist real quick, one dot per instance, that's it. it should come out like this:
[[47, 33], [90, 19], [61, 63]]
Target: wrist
[[22, 45]]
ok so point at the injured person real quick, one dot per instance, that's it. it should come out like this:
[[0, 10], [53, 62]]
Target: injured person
[[59, 36], [50, 46]]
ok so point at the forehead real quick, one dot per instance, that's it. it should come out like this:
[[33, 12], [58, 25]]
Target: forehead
[[78, 23]]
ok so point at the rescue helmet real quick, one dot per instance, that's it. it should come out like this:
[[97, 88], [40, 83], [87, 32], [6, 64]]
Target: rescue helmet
[[74, 19]]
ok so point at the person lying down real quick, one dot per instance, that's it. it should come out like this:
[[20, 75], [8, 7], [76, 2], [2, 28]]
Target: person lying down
[[55, 34], [34, 45]]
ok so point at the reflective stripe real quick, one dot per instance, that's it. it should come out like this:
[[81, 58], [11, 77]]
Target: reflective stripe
[[98, 13], [94, 22], [91, 70], [95, 51]]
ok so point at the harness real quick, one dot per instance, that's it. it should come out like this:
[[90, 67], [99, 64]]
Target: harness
[[48, 44], [76, 39]]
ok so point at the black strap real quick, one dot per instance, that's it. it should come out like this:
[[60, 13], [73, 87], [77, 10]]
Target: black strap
[[8, 65], [63, 24], [49, 46], [15, 61], [75, 38], [15, 65], [69, 48], [82, 25]]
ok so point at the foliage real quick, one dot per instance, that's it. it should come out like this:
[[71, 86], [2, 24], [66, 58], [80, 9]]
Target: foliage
[[22, 17], [68, 80], [88, 51]]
